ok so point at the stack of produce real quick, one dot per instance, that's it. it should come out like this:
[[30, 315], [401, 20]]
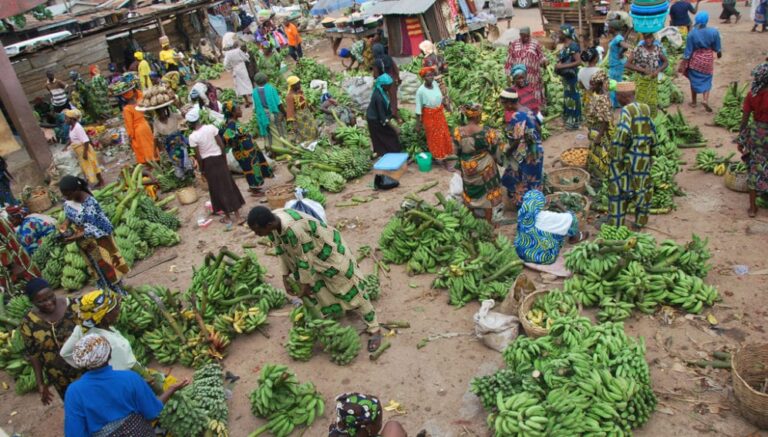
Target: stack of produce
[[63, 265], [729, 116], [580, 379], [227, 94], [413, 138], [12, 351], [623, 270], [553, 86], [200, 409], [449, 240], [708, 161], [156, 95], [205, 72], [550, 306], [668, 92], [284, 402], [341, 342]]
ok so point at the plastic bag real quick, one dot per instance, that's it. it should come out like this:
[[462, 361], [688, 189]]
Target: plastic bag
[[232, 163], [384, 182], [65, 163], [307, 206], [456, 187], [496, 330]]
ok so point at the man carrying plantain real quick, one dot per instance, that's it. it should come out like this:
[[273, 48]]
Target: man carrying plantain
[[630, 183], [315, 256]]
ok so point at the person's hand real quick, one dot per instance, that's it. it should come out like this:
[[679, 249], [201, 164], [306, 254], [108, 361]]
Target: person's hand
[[45, 394], [719, 55], [178, 386], [74, 237], [397, 130]]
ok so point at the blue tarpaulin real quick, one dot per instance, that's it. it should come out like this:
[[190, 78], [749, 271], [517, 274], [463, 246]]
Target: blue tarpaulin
[[325, 7]]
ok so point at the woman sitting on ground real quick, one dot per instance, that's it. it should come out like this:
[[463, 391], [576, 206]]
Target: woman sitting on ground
[[541, 234], [30, 228], [107, 402]]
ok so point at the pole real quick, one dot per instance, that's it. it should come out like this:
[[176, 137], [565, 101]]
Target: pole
[[20, 113], [160, 26]]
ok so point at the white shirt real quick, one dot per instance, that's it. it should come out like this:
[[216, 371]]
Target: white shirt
[[77, 134], [204, 139]]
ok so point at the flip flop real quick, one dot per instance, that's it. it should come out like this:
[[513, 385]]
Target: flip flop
[[707, 107], [374, 342]]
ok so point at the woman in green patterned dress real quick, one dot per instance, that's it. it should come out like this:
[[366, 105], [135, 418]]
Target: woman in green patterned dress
[[648, 60], [251, 159], [299, 114], [599, 116], [45, 329], [479, 149], [98, 97]]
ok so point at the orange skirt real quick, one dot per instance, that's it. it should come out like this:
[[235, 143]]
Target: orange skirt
[[436, 130]]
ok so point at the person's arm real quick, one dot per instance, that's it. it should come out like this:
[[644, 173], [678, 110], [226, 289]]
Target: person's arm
[[688, 52], [746, 112], [418, 102], [664, 63], [130, 129], [220, 143], [693, 8], [290, 107], [718, 48], [33, 356], [396, 72], [631, 63], [75, 424], [163, 398]]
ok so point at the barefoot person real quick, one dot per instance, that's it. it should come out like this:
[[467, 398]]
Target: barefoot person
[[753, 140], [700, 48], [431, 110], [251, 160], [316, 257]]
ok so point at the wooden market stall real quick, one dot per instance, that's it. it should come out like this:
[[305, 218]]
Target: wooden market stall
[[587, 16], [409, 22]]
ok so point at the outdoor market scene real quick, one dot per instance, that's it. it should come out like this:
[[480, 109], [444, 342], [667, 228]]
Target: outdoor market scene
[[432, 218]]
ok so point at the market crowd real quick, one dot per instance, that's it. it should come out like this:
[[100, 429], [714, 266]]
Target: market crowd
[[72, 343]]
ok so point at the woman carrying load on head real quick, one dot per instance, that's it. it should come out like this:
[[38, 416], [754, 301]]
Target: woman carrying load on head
[[429, 107], [138, 130], [480, 150], [81, 145], [93, 234], [648, 60], [700, 48], [525, 168], [167, 129]]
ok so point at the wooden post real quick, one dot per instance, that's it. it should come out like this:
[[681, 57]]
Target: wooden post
[[424, 26], [20, 113], [160, 26], [580, 20], [541, 13]]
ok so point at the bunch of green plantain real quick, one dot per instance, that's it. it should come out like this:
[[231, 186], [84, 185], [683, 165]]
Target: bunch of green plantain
[[730, 114], [14, 361], [351, 137], [74, 274], [623, 270], [183, 414], [284, 402], [341, 342], [580, 379], [709, 161]]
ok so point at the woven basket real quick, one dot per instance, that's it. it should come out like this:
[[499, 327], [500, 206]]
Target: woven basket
[[749, 368], [570, 163], [531, 330], [187, 195], [38, 202], [569, 172], [277, 196], [581, 215], [736, 181]]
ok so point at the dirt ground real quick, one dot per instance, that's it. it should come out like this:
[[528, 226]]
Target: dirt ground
[[432, 383]]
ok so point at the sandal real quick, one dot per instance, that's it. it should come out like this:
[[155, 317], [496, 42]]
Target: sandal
[[374, 342], [706, 106]]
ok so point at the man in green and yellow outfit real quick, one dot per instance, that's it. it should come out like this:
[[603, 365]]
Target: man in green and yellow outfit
[[630, 159], [318, 259]]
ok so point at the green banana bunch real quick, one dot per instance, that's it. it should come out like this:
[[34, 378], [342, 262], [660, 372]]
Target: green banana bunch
[[730, 114], [311, 187], [183, 414], [18, 307], [519, 415], [341, 342], [352, 137], [708, 160], [371, 286], [74, 274]]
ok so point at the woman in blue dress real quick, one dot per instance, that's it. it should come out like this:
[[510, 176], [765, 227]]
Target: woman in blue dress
[[616, 59], [567, 68], [541, 234], [525, 169]]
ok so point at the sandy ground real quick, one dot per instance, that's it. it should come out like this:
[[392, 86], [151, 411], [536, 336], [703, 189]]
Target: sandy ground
[[432, 383]]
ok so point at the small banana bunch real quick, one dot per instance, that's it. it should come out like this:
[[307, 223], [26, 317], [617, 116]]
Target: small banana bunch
[[285, 402], [352, 137], [75, 271], [341, 342], [519, 415], [18, 307], [730, 114], [163, 343], [246, 320], [183, 414], [551, 306], [709, 161]]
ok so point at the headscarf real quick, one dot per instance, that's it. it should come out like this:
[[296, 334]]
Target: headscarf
[[95, 305], [229, 108], [381, 81], [34, 286], [589, 55], [760, 81], [260, 79], [518, 70], [138, 56], [193, 115], [74, 75], [73, 114], [112, 67], [15, 211], [354, 413], [525, 29], [568, 31], [598, 80], [91, 352], [614, 24], [426, 70], [380, 56], [292, 80], [702, 18], [472, 110], [73, 183], [509, 94], [625, 87], [93, 70], [427, 47]]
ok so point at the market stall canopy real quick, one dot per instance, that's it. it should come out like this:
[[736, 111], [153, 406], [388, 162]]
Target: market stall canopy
[[325, 7], [16, 7], [400, 7]]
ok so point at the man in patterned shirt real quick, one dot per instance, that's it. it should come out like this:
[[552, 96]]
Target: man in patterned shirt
[[630, 159], [319, 260]]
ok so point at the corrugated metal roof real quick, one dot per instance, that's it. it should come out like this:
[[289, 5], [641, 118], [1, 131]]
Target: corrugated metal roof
[[400, 7]]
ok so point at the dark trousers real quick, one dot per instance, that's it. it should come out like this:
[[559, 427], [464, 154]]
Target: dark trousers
[[295, 52]]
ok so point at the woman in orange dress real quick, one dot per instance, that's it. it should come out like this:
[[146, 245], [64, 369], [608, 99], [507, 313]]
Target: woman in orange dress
[[138, 130], [431, 109]]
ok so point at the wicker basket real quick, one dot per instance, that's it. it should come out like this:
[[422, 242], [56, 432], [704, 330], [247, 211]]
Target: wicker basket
[[187, 195], [581, 215], [531, 330], [39, 201], [736, 181], [569, 172], [277, 196], [570, 163], [749, 368]]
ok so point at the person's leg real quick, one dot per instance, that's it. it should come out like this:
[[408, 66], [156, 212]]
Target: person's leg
[[693, 97], [393, 429], [705, 101], [752, 211], [299, 51]]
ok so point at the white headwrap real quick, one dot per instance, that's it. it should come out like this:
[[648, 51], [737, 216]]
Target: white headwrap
[[557, 223], [427, 47], [193, 115], [91, 352]]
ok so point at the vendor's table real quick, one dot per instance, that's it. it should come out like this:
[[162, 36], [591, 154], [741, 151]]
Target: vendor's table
[[337, 35]]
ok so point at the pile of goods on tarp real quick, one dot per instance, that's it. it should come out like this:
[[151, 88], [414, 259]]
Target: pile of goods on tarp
[[580, 379], [729, 116], [709, 161], [623, 270], [284, 402], [156, 95], [309, 70], [227, 297], [166, 178], [449, 240], [199, 409], [12, 350]]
